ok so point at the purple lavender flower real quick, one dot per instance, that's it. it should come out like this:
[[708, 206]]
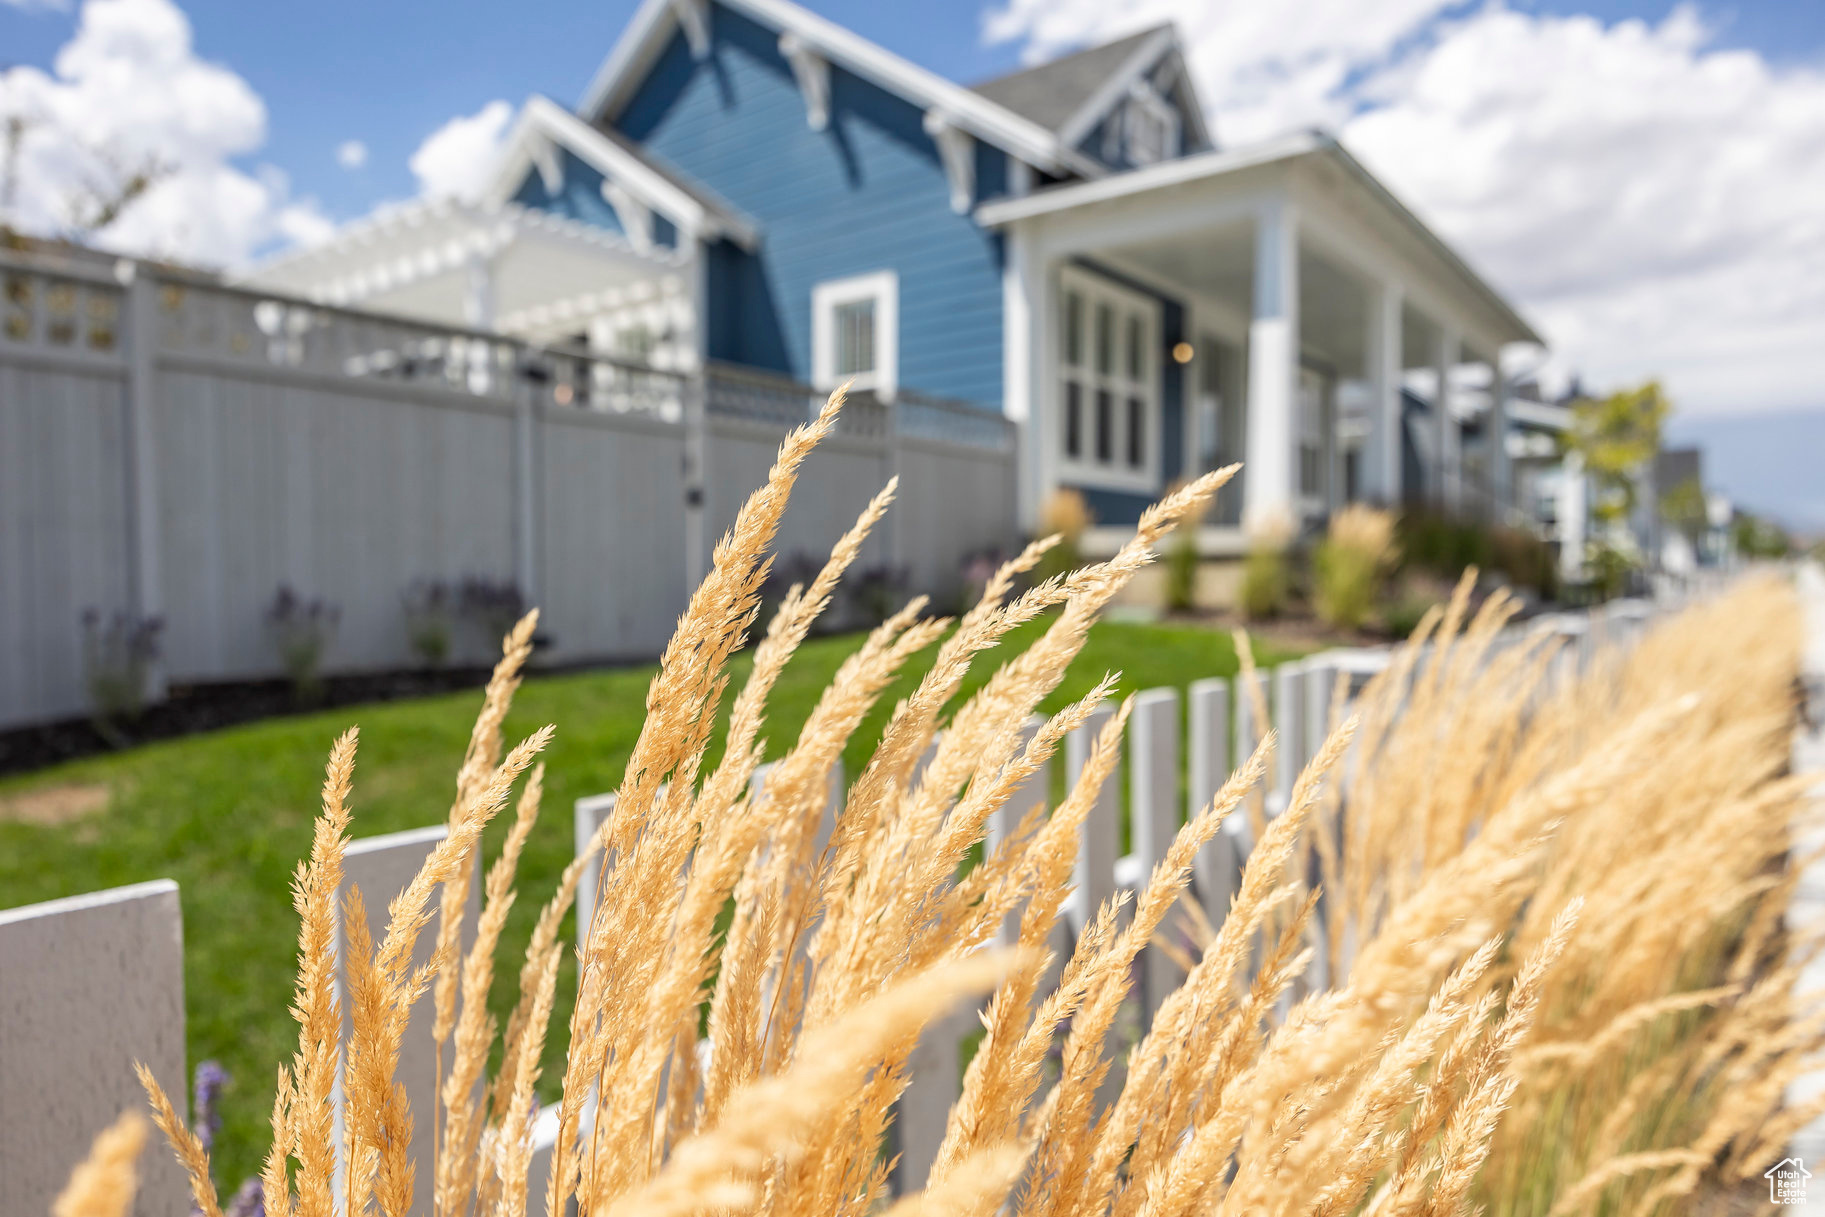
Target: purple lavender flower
[[250, 1201], [207, 1121]]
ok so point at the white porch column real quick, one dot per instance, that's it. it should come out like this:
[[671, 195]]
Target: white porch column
[[1499, 474], [1572, 522], [1024, 379], [1448, 476], [1383, 350], [1269, 486]]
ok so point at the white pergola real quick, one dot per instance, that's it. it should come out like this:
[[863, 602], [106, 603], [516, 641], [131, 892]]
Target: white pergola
[[1294, 255], [501, 267]]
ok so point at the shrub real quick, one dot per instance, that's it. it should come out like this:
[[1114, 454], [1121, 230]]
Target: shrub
[[430, 612], [1350, 563], [302, 632], [1526, 561], [976, 570], [1067, 514], [877, 591], [493, 605], [1266, 573], [748, 999], [1182, 569], [118, 655]]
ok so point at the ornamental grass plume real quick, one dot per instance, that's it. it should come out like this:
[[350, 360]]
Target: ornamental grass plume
[[1350, 562], [1535, 891]]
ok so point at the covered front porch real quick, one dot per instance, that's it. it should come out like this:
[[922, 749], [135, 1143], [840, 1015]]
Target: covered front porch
[[1275, 307]]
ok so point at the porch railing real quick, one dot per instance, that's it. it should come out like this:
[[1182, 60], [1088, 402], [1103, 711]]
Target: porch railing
[[80, 311], [734, 391]]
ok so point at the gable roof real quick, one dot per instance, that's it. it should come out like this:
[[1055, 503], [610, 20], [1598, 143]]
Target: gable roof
[[1053, 92], [1071, 94], [654, 23], [542, 123], [1203, 165]]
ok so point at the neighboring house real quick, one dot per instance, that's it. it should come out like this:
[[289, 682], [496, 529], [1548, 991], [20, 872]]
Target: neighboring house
[[747, 183]]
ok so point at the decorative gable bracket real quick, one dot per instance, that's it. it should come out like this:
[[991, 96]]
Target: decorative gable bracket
[[551, 169], [694, 19], [813, 73], [636, 217], [957, 149]]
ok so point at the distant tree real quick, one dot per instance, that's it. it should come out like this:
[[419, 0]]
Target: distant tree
[[111, 182], [1617, 436], [1757, 537]]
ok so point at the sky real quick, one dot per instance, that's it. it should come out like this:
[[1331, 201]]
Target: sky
[[1645, 179]]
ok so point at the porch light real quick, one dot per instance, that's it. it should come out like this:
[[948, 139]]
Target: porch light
[[1181, 352]]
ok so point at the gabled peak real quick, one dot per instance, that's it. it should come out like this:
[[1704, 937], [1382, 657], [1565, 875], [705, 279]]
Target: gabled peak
[[1053, 93]]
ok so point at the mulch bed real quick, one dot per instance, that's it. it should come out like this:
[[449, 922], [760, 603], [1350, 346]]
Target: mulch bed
[[206, 707]]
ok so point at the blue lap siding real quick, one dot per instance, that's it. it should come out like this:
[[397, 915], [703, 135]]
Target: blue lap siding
[[868, 193]]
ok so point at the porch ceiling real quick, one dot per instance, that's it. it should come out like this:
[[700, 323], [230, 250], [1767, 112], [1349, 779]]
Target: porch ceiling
[[1218, 265]]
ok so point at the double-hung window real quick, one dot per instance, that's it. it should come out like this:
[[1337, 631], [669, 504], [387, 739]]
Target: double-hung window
[[855, 333], [1108, 384]]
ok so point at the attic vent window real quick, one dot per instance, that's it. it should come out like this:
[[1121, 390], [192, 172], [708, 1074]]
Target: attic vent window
[[1149, 127]]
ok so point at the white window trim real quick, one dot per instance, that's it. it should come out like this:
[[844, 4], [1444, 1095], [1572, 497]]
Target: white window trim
[[1086, 470], [883, 287]]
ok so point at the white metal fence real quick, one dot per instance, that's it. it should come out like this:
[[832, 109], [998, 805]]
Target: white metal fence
[[70, 985], [173, 447]]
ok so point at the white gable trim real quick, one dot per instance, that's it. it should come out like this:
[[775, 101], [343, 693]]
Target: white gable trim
[[1113, 90], [543, 125], [957, 149], [812, 71], [694, 16], [645, 38], [1161, 48]]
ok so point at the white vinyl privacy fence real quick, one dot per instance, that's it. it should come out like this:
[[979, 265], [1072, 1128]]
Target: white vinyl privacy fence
[[172, 447], [92, 982]]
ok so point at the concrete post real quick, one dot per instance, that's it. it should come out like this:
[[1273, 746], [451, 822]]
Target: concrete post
[[88, 986], [144, 549], [1270, 489], [1153, 800], [1094, 877], [1289, 722], [382, 867], [589, 814], [1207, 768]]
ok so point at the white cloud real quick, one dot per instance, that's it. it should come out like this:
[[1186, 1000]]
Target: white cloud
[[351, 154], [454, 160], [126, 94], [1655, 204]]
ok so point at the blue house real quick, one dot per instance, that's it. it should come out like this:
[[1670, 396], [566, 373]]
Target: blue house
[[1071, 246]]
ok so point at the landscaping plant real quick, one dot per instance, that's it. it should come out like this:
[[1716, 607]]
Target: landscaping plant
[[430, 612], [117, 659], [1350, 564], [302, 632], [1067, 516], [1266, 572], [1182, 569], [1548, 963]]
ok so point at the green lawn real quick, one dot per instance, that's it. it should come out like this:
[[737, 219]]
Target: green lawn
[[228, 815]]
